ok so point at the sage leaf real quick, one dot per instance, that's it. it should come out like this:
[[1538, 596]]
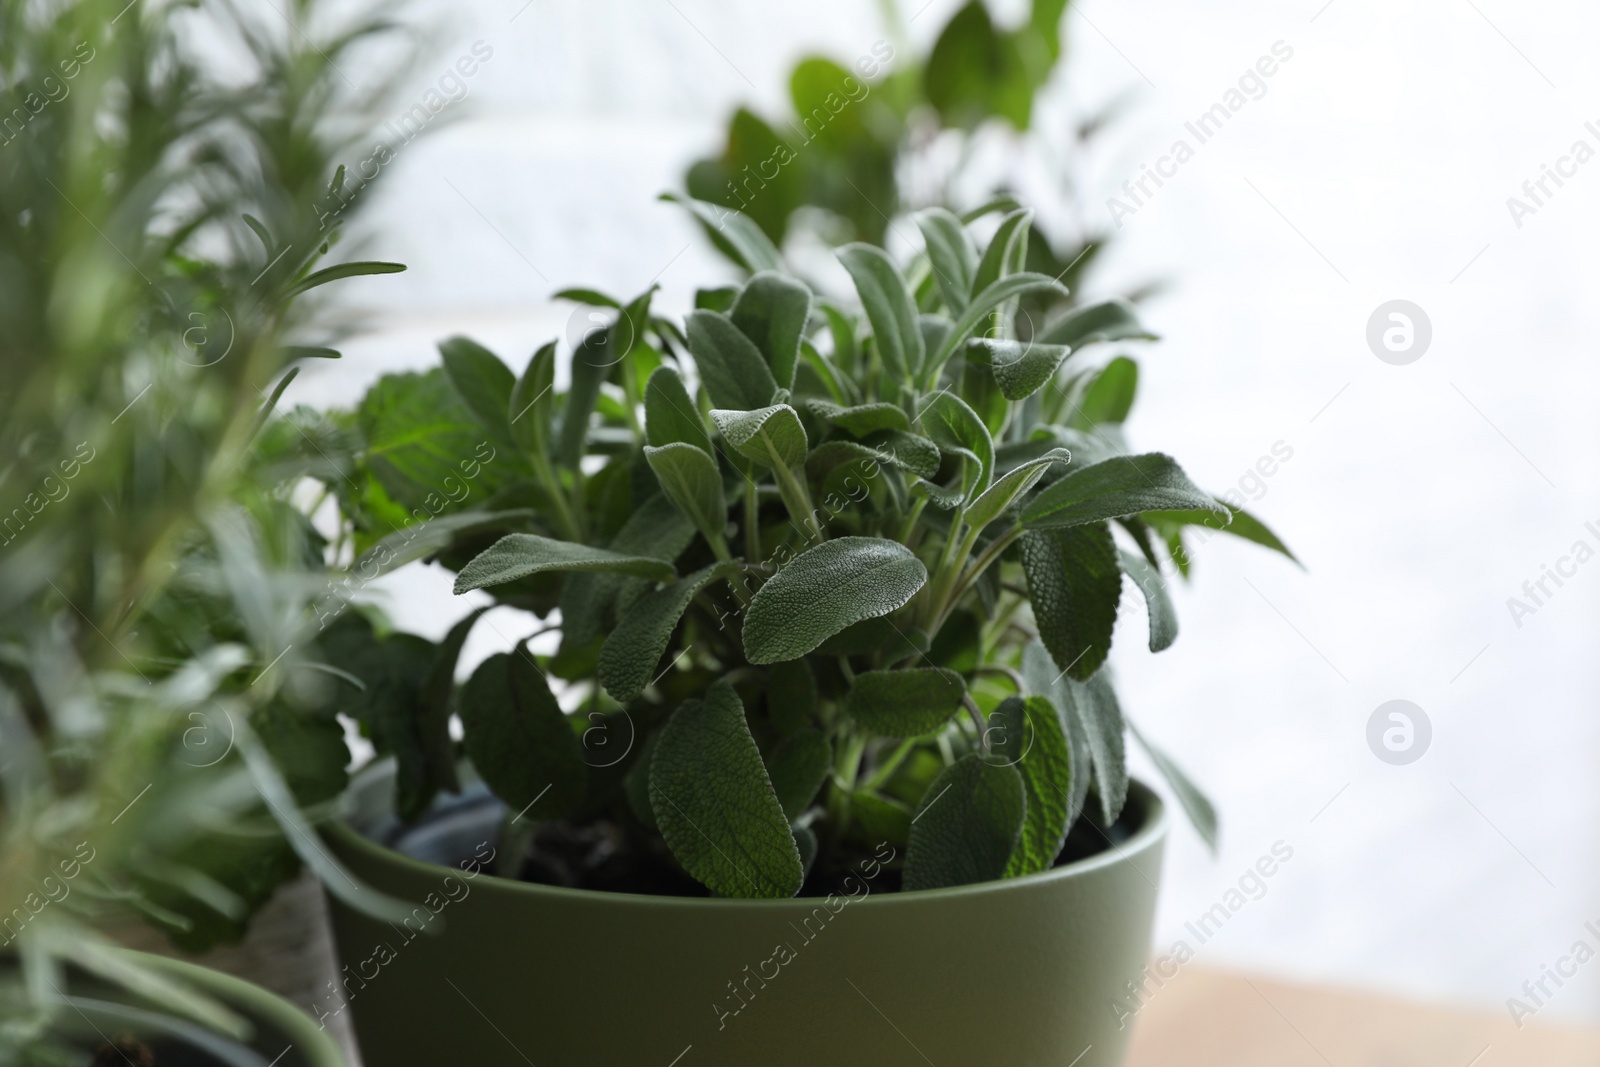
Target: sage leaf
[[772, 311], [531, 411], [670, 414], [861, 419], [1158, 605], [715, 804], [1075, 583], [690, 479], [881, 818], [1007, 249], [967, 825], [1020, 368], [1097, 707], [518, 740], [951, 254], [731, 366], [1202, 815], [1109, 398], [957, 430], [889, 306], [1111, 320], [435, 705], [825, 589], [1043, 678], [734, 234], [520, 554], [1235, 521], [905, 703], [632, 651], [657, 529], [798, 766], [1028, 734], [1112, 488], [771, 436], [985, 302], [994, 501]]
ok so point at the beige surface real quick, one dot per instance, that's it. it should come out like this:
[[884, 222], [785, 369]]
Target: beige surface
[[1210, 1019]]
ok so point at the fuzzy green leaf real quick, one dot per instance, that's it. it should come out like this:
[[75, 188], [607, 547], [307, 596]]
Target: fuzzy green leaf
[[656, 528], [1043, 678], [998, 497], [715, 804], [951, 254], [1109, 397], [1007, 249], [531, 411], [798, 766], [1075, 584], [1158, 605], [1112, 488], [825, 589], [691, 480], [434, 705], [1096, 705], [1028, 734], [519, 555], [734, 234], [905, 703], [957, 430], [985, 302], [1020, 368], [772, 311], [771, 436], [632, 651], [1112, 320], [889, 306], [670, 414], [484, 383], [1202, 815], [861, 419], [967, 825], [1235, 521], [732, 368], [519, 741]]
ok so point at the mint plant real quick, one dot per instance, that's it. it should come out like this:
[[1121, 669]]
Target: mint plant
[[825, 576]]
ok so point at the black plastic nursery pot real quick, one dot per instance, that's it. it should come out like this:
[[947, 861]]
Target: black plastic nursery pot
[[1026, 972], [280, 1034]]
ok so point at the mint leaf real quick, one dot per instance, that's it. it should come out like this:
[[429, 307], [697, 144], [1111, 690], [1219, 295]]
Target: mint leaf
[[825, 589], [715, 805], [905, 703], [484, 383], [967, 825]]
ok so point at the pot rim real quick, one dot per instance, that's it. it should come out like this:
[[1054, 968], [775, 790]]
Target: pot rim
[[1151, 832]]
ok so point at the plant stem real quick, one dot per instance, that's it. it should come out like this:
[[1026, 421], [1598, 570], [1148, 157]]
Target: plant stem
[[752, 522], [886, 769]]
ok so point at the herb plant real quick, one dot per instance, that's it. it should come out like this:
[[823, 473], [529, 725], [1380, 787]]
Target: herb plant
[[825, 576]]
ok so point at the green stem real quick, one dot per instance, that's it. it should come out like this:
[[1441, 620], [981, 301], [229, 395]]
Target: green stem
[[886, 769], [796, 498], [752, 522], [571, 526]]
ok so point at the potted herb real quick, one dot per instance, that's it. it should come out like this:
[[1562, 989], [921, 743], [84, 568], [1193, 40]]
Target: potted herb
[[827, 762]]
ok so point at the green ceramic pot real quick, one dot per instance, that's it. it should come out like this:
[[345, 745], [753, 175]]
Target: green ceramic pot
[[281, 1034], [489, 972]]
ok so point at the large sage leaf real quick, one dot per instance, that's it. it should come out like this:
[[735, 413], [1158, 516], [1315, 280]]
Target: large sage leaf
[[632, 651], [1074, 583], [731, 366], [435, 705], [691, 480], [1043, 678], [905, 703], [1096, 704], [771, 436], [531, 413], [1234, 521], [1007, 250], [1028, 734], [1112, 488], [861, 419], [656, 528], [715, 804], [889, 306], [520, 554], [798, 766], [825, 589], [967, 825], [734, 234], [519, 741], [591, 363], [1109, 398], [670, 415], [772, 311], [985, 302]]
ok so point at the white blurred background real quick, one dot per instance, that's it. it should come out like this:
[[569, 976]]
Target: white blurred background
[[1376, 167]]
